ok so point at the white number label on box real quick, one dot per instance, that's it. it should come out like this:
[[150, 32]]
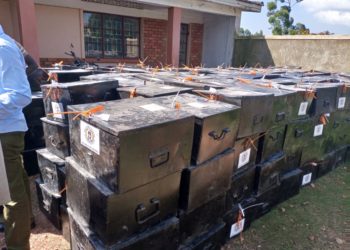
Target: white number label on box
[[244, 158], [341, 102], [306, 179], [90, 137], [152, 107], [303, 108], [167, 87], [199, 105], [57, 108], [237, 228], [103, 117], [318, 130]]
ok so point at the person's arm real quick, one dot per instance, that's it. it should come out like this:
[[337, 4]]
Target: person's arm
[[13, 81], [31, 63]]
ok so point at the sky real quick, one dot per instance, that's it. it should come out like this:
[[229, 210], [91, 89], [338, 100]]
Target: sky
[[317, 15]]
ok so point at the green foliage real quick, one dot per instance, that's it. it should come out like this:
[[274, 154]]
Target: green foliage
[[246, 32], [281, 20]]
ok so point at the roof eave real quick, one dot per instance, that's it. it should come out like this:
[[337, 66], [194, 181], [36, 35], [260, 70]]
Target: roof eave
[[243, 5]]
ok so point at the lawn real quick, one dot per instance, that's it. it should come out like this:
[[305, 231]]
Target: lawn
[[317, 218]]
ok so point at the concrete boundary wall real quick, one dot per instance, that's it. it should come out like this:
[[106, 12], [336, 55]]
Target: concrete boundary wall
[[330, 53]]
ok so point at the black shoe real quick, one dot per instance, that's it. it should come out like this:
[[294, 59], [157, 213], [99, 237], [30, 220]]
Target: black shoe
[[2, 227]]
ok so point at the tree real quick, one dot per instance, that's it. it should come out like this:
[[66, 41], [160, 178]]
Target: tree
[[244, 32], [281, 20], [247, 32]]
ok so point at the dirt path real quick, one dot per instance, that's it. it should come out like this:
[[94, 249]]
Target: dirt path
[[44, 236]]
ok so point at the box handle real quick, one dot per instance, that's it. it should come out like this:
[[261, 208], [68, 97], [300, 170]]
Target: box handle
[[280, 116], [257, 121], [274, 179], [220, 137], [54, 143], [326, 103], [275, 138], [298, 133], [158, 158], [49, 172], [140, 209], [46, 205]]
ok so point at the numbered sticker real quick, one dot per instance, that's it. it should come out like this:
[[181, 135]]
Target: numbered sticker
[[103, 117], [318, 130], [303, 108], [307, 179], [153, 107], [57, 108], [244, 158], [197, 105], [167, 87], [90, 137], [237, 228], [341, 102]]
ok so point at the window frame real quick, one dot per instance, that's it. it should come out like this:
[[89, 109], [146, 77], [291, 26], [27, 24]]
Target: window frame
[[101, 28]]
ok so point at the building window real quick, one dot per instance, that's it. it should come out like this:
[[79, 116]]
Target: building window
[[111, 36], [183, 44]]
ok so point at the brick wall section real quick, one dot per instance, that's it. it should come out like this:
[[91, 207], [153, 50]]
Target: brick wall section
[[196, 44], [155, 41], [154, 46]]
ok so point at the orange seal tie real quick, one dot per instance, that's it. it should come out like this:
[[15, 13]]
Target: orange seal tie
[[63, 189], [239, 224], [310, 94], [85, 113], [323, 119], [345, 88], [188, 78], [133, 93], [59, 63], [177, 105], [210, 97], [246, 81], [213, 97], [52, 76], [249, 142]]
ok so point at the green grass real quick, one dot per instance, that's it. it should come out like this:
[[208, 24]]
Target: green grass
[[317, 218]]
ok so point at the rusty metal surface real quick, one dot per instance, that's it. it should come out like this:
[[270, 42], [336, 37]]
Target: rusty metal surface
[[202, 183], [56, 137], [137, 145], [142, 207], [49, 165]]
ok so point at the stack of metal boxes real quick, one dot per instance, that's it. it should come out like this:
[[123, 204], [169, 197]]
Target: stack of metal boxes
[[124, 174], [187, 159], [51, 187], [205, 183]]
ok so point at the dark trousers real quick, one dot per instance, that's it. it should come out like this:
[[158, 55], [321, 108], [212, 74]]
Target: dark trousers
[[17, 213]]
